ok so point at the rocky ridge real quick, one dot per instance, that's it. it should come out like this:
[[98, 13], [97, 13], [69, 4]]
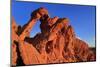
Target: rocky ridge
[[56, 43]]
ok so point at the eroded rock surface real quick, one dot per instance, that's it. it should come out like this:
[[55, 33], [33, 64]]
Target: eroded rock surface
[[56, 43]]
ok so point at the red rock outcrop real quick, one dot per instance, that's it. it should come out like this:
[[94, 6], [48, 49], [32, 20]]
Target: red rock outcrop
[[57, 42]]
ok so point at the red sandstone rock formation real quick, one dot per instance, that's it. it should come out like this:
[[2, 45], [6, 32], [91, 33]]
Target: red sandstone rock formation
[[57, 42]]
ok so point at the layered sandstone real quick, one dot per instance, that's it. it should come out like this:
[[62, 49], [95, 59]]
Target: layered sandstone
[[56, 43]]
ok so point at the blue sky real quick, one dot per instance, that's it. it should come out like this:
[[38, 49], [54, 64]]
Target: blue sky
[[82, 18]]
